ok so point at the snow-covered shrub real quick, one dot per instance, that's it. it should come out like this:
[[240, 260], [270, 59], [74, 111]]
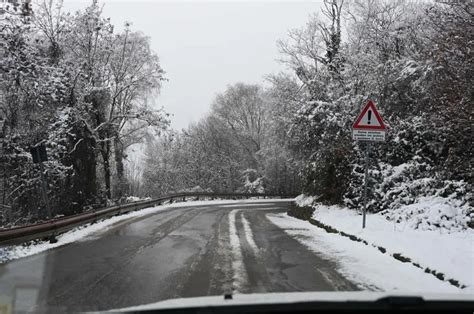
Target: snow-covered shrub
[[300, 212], [252, 182], [304, 200], [433, 213], [402, 184], [131, 199]]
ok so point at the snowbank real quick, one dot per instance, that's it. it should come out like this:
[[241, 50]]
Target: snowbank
[[239, 273], [444, 250], [360, 263]]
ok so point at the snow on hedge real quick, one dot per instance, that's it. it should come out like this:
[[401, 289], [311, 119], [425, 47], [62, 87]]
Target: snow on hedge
[[414, 193], [305, 200], [433, 213]]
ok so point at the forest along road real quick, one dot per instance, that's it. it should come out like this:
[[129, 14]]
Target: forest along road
[[181, 252]]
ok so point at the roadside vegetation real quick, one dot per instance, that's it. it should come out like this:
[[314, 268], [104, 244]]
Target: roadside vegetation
[[85, 88], [414, 59]]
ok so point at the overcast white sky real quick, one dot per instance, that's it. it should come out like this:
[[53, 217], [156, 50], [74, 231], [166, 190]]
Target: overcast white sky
[[205, 46]]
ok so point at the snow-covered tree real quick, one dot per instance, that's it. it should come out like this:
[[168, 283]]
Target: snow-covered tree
[[72, 82], [413, 60]]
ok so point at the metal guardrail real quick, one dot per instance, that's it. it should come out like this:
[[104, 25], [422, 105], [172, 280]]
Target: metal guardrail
[[50, 229]]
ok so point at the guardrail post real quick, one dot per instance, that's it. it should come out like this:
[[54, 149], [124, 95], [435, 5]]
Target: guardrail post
[[52, 238]]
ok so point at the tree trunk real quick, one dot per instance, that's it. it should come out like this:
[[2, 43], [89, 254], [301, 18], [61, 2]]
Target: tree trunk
[[107, 173], [119, 156], [83, 158]]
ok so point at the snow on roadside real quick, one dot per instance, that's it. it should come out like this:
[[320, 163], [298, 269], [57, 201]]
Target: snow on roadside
[[448, 253], [249, 234], [76, 234], [18, 251], [131, 199], [303, 200], [267, 200], [239, 274], [362, 264], [264, 205]]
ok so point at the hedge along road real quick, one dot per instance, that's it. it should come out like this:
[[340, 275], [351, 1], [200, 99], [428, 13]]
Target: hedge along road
[[181, 252]]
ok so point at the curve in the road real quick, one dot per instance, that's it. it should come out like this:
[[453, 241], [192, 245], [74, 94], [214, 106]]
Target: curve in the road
[[185, 252]]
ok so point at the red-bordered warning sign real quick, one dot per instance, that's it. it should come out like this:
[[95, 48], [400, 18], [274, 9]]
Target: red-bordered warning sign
[[369, 118], [369, 125]]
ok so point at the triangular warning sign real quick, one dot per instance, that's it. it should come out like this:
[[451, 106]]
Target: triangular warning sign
[[369, 118]]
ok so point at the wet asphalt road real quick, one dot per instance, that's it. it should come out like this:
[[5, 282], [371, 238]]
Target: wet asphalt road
[[181, 252]]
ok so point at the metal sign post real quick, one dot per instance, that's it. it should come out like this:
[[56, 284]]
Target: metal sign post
[[369, 127], [366, 180]]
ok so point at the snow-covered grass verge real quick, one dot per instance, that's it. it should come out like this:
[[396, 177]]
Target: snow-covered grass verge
[[360, 263], [18, 251], [450, 254]]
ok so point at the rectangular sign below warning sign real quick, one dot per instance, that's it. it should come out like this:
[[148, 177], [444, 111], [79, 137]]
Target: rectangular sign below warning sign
[[368, 135]]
